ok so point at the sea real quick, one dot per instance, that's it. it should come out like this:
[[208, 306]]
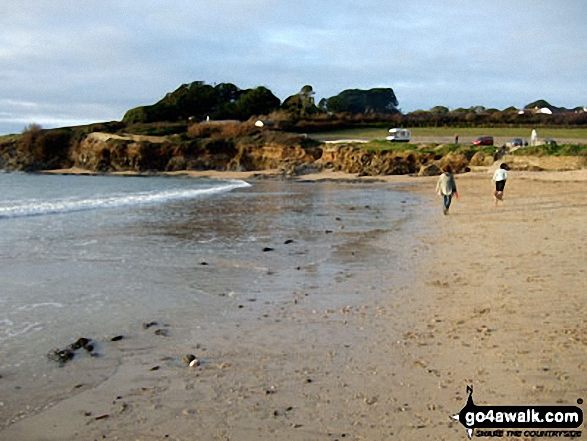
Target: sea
[[97, 256]]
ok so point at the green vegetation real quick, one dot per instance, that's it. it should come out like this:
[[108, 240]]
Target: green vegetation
[[356, 101], [187, 139], [367, 132], [554, 149], [434, 149], [196, 101]]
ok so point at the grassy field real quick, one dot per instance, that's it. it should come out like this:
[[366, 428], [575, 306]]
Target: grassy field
[[444, 132]]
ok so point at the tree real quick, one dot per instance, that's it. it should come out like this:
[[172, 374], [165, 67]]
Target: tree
[[254, 102], [301, 105], [198, 100], [439, 110], [539, 104], [357, 101]]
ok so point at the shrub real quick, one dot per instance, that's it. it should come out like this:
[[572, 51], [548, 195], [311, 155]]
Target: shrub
[[221, 130], [45, 148]]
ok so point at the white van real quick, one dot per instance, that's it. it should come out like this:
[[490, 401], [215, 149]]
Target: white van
[[399, 135]]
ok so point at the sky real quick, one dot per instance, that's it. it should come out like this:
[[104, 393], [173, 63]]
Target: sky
[[70, 62]]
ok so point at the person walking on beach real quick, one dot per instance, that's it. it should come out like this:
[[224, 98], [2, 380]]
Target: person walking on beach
[[499, 177], [446, 187]]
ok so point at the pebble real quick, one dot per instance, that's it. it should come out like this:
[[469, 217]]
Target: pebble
[[188, 358], [266, 249], [79, 343], [194, 362], [61, 355], [148, 325], [288, 241], [162, 332], [117, 338]]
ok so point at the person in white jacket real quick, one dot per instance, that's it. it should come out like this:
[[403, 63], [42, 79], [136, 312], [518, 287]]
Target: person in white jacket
[[499, 177]]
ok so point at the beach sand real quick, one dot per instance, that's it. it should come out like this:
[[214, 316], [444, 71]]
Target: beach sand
[[495, 299]]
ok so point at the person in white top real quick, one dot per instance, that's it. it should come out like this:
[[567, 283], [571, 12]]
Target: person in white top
[[500, 176]]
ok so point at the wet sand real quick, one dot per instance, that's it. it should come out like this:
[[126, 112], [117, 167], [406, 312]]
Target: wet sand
[[495, 298]]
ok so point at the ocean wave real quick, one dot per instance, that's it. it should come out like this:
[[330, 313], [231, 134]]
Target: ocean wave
[[57, 206]]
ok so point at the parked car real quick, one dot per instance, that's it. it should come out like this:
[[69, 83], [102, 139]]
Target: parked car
[[399, 135], [484, 140], [517, 142], [547, 141]]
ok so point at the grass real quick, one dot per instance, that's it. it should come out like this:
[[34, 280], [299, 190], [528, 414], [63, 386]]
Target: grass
[[554, 150], [444, 132], [386, 146], [377, 142]]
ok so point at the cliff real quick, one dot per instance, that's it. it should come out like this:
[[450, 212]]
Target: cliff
[[294, 154], [256, 150]]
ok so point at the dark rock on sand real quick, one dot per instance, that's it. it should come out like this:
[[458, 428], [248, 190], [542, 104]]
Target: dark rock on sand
[[81, 342], [117, 338], [188, 358], [148, 325], [266, 249], [61, 356]]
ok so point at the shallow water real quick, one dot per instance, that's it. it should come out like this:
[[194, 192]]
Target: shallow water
[[99, 256]]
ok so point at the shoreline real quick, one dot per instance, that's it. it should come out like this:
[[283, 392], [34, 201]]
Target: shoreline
[[579, 175], [478, 311]]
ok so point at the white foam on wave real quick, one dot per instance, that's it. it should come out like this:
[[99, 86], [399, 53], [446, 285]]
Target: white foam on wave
[[39, 305], [39, 208]]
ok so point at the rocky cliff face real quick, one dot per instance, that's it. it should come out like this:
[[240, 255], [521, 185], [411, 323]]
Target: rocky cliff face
[[108, 152], [294, 154]]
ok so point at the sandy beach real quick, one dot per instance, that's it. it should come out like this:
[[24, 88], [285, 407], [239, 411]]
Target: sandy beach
[[493, 297]]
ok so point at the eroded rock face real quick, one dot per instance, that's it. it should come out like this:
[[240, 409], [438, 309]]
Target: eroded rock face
[[372, 163], [261, 150], [106, 152], [551, 163]]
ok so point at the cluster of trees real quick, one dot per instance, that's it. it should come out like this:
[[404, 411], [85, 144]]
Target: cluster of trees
[[380, 101], [479, 116], [197, 101]]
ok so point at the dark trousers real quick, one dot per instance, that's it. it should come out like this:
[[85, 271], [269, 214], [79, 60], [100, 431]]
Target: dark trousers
[[446, 199]]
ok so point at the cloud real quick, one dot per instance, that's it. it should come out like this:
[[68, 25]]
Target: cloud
[[96, 59]]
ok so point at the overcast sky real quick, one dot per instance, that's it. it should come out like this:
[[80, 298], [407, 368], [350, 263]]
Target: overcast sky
[[66, 62]]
